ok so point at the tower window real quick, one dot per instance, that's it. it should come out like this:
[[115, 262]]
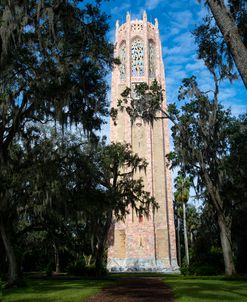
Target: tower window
[[151, 59], [137, 58], [122, 57]]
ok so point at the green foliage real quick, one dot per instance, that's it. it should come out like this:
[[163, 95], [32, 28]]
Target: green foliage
[[143, 101], [213, 50], [182, 186], [66, 194], [208, 263], [119, 164], [79, 268], [49, 269], [52, 70], [221, 39]]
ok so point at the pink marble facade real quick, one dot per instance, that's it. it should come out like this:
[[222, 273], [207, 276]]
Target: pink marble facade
[[143, 244]]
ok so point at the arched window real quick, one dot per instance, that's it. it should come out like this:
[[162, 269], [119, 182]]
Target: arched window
[[122, 57], [137, 58], [151, 52]]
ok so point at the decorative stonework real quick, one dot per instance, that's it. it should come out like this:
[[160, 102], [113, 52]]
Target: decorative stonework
[[152, 59], [150, 27], [140, 243], [122, 28], [137, 58], [137, 26], [122, 57]]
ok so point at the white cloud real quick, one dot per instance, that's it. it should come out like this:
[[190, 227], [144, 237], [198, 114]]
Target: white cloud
[[226, 93], [152, 4], [171, 32], [182, 19], [118, 10], [186, 39], [195, 66], [176, 59], [236, 109]]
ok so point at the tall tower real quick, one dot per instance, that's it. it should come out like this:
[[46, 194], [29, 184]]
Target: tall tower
[[140, 243]]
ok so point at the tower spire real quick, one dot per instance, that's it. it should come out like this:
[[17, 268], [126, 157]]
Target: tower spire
[[128, 17], [144, 16], [156, 23]]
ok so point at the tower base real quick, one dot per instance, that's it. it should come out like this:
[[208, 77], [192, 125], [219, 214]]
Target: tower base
[[141, 265]]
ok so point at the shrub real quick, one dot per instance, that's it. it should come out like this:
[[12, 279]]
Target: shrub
[[80, 269]]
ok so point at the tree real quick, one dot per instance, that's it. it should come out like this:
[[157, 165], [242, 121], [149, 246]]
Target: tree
[[52, 70], [193, 222], [117, 167], [178, 212], [66, 193], [232, 24], [206, 253], [182, 193], [201, 145]]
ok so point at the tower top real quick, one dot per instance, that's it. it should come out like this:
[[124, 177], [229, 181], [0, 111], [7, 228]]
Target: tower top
[[143, 20]]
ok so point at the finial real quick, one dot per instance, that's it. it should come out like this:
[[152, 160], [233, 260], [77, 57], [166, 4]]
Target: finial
[[144, 15], [156, 23], [117, 24], [128, 17]]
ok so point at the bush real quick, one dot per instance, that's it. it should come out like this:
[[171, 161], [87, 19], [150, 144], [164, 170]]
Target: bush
[[48, 269], [77, 268], [208, 264], [184, 269], [80, 269]]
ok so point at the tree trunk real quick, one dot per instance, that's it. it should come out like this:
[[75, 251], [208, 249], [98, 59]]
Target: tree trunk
[[179, 243], [57, 259], [231, 36], [13, 273], [99, 259], [191, 239], [224, 225], [102, 246], [226, 243], [185, 236]]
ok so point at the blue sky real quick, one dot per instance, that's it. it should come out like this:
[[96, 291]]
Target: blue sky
[[177, 19]]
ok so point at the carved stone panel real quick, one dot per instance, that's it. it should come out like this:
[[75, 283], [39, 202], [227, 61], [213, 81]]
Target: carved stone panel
[[122, 57], [161, 243], [151, 69], [120, 243]]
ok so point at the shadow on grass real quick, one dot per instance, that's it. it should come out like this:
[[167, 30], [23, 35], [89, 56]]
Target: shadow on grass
[[207, 288]]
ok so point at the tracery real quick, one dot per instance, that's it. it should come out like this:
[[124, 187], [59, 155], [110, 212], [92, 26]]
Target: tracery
[[151, 59], [137, 58], [122, 57]]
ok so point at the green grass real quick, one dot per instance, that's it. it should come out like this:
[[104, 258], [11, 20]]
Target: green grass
[[185, 289], [46, 290], [207, 289]]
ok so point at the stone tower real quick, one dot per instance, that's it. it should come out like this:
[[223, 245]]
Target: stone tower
[[140, 243]]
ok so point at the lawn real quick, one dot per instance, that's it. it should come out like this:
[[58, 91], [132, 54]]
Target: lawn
[[207, 289], [46, 290], [185, 289]]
